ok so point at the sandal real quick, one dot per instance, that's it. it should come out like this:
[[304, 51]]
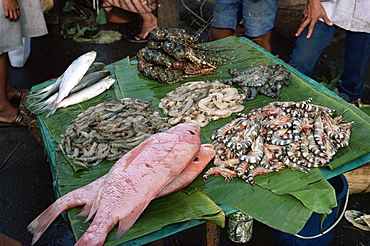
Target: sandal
[[17, 121], [17, 97]]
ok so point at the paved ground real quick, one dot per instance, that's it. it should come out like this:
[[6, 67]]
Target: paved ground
[[25, 177]]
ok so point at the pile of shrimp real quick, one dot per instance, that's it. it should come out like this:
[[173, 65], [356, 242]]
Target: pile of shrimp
[[298, 135], [109, 130], [201, 102]]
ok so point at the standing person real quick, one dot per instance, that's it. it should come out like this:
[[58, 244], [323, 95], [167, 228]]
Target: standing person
[[18, 18], [320, 22], [258, 18], [144, 8]]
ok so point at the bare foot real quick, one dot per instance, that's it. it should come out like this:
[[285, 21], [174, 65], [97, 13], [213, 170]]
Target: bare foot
[[150, 21]]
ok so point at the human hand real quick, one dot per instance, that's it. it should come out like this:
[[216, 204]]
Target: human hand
[[11, 9], [311, 15]]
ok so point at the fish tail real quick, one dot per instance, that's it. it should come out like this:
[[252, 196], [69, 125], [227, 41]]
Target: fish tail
[[36, 106], [35, 95], [38, 226], [40, 110], [52, 111]]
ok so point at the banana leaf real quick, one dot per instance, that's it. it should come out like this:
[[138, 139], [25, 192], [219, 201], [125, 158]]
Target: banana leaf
[[295, 196], [175, 208], [273, 202]]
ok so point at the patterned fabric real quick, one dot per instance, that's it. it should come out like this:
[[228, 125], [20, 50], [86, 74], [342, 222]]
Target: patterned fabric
[[135, 6]]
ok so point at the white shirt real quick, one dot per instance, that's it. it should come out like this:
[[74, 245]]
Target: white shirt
[[351, 15]]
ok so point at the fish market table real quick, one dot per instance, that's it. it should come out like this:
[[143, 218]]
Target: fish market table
[[179, 211]]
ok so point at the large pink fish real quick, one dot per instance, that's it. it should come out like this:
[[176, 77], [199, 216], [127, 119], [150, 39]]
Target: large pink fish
[[148, 171]]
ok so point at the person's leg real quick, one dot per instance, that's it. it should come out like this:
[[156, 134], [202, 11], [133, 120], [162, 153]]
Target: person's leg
[[356, 62], [264, 41], [259, 17], [150, 21], [8, 113], [219, 33], [226, 17], [307, 50]]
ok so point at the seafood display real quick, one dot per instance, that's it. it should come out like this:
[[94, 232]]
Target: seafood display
[[82, 81], [298, 135], [171, 55], [132, 183], [201, 102], [260, 79], [109, 130]]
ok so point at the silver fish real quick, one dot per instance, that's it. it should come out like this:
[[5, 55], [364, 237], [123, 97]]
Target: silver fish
[[85, 94], [73, 75], [95, 66], [40, 106], [90, 79]]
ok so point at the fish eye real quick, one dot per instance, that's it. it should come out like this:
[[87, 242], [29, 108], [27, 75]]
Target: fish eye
[[196, 159], [192, 132]]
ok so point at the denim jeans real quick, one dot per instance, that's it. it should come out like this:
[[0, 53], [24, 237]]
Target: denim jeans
[[356, 56], [258, 15]]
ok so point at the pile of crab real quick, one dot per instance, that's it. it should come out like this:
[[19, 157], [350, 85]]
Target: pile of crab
[[172, 55], [298, 135]]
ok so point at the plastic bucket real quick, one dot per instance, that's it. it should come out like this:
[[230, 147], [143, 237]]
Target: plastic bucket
[[311, 234]]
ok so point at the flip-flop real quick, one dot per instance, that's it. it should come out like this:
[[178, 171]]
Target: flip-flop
[[137, 39], [360, 104], [15, 123]]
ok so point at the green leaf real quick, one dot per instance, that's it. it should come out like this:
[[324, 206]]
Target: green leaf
[[173, 208], [282, 212], [272, 201]]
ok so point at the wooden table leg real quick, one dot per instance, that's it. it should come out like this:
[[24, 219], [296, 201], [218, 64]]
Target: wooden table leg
[[212, 234]]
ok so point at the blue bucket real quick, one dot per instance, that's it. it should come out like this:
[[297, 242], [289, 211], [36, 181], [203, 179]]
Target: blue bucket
[[311, 233]]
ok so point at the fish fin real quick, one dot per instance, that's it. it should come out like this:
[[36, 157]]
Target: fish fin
[[92, 210], [93, 190], [95, 204], [84, 211], [126, 223], [137, 150]]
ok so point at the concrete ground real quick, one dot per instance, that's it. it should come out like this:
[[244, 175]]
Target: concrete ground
[[25, 177]]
